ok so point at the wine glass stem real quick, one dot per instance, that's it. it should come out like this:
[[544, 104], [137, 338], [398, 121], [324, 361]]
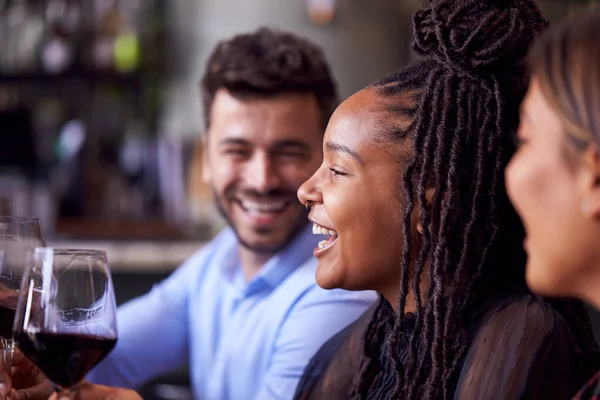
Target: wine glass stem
[[7, 359]]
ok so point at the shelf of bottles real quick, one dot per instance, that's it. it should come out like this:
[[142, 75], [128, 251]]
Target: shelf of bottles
[[46, 39], [80, 96]]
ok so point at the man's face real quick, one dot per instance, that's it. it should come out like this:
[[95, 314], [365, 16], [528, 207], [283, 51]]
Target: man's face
[[257, 154]]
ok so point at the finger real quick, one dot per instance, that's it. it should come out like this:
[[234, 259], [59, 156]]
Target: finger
[[39, 392], [5, 384], [90, 391], [18, 358], [23, 375]]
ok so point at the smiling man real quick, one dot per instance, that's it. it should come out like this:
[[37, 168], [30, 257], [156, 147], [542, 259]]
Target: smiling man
[[245, 311]]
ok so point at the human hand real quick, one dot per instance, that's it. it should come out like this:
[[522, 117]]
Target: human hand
[[28, 382], [90, 391]]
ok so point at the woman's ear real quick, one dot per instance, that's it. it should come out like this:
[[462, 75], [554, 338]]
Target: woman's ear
[[590, 204]]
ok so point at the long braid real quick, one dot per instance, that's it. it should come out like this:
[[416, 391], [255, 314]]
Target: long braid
[[451, 197], [455, 308], [463, 123], [425, 238], [442, 215], [434, 284], [426, 235], [460, 346]]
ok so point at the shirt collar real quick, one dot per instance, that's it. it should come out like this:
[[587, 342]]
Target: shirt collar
[[276, 269], [291, 257]]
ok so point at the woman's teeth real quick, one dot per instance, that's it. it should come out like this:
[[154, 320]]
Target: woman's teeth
[[319, 230]]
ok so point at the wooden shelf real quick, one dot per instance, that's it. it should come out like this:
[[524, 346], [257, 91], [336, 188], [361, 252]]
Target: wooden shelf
[[125, 79], [118, 229]]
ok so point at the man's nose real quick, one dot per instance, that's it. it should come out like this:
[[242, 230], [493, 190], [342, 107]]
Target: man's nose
[[262, 173]]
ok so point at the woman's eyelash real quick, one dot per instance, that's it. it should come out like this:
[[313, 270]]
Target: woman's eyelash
[[336, 172]]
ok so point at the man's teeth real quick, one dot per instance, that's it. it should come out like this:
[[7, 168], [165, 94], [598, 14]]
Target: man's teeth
[[319, 230], [255, 207]]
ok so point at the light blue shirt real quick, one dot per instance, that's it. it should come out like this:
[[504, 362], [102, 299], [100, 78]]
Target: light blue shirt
[[242, 340]]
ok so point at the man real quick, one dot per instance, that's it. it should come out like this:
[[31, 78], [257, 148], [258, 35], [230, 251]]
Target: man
[[245, 312]]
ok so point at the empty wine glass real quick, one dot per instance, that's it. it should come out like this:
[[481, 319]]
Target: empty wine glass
[[66, 314], [19, 236]]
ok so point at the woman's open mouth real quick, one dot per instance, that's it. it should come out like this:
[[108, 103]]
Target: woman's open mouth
[[321, 230]]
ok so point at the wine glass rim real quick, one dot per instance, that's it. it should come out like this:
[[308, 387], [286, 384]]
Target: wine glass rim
[[18, 219], [79, 252]]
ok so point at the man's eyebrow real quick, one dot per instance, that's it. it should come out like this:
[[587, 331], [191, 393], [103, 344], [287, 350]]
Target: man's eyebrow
[[228, 141]]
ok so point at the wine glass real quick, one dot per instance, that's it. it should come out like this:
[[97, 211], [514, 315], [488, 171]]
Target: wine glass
[[19, 236], [65, 319]]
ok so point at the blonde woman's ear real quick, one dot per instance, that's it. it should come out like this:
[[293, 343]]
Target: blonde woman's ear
[[590, 204]]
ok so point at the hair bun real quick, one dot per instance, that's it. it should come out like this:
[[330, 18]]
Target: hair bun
[[477, 35]]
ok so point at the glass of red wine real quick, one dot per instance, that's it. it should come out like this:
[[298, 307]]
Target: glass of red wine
[[66, 315], [19, 236]]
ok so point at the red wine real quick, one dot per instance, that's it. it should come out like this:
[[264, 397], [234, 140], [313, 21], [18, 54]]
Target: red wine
[[7, 315], [64, 358]]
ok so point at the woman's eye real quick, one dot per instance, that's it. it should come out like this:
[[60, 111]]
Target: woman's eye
[[337, 172]]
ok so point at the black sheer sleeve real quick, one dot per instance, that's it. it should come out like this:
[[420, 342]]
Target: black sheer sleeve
[[591, 390], [330, 373], [520, 351], [521, 348]]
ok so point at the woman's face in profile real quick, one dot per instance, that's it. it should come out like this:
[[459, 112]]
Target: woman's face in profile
[[547, 181], [356, 198]]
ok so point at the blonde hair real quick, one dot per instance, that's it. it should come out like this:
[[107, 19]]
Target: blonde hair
[[566, 62]]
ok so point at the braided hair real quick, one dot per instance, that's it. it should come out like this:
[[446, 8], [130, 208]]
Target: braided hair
[[465, 95]]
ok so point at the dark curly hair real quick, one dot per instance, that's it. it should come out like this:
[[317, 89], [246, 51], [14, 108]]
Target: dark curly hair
[[465, 96], [268, 63]]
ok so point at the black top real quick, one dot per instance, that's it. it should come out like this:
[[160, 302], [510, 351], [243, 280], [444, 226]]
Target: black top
[[521, 349], [591, 391]]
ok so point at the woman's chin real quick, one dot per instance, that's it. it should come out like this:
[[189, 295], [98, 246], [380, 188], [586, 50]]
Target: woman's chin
[[328, 277], [541, 281]]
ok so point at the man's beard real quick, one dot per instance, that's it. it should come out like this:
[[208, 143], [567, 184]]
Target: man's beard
[[299, 224]]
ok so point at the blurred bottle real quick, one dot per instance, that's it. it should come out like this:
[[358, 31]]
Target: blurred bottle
[[22, 31], [14, 192], [42, 203], [116, 44], [127, 41], [59, 49], [105, 24], [172, 179], [131, 162]]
